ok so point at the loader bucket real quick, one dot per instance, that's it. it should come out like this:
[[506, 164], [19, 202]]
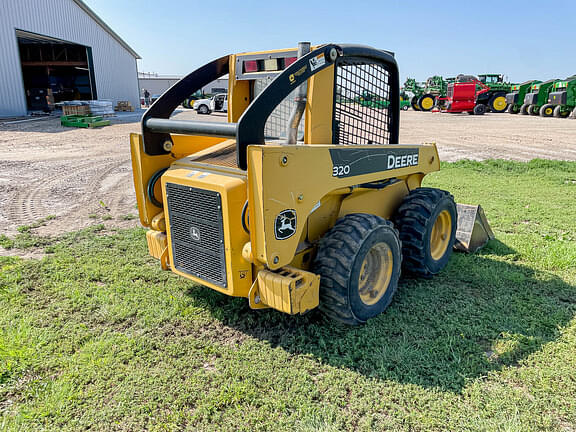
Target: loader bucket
[[473, 229]]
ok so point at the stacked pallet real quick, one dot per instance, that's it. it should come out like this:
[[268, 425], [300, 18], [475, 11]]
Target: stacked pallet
[[124, 106], [75, 109], [101, 107]]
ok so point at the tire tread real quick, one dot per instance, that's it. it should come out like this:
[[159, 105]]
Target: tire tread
[[336, 254]]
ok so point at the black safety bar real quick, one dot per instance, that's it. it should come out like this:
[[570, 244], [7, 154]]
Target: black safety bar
[[249, 130], [222, 130], [165, 105]]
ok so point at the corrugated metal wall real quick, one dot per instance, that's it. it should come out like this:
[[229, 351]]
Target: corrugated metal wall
[[115, 68], [156, 85]]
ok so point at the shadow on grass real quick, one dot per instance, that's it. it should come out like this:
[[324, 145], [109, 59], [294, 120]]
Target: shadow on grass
[[481, 314]]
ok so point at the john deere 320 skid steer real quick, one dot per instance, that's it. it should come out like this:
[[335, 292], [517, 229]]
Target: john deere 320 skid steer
[[303, 199]]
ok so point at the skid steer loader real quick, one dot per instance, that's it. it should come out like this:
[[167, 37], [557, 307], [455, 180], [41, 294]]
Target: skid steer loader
[[303, 199]]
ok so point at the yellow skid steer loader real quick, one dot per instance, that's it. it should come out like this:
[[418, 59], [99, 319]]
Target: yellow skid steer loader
[[303, 199]]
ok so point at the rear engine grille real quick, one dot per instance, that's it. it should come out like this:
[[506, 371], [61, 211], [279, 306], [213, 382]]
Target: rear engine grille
[[197, 233]]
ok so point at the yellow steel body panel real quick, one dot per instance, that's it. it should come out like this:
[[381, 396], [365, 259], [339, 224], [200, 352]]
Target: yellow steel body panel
[[382, 202], [238, 93], [297, 177], [324, 217], [144, 166], [289, 290], [185, 145], [157, 243], [319, 107], [231, 184]]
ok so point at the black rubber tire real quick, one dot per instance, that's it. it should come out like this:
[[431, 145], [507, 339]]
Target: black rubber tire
[[203, 109], [480, 109], [491, 102], [558, 113], [405, 108], [524, 109], [414, 103], [546, 110], [422, 98], [513, 109], [533, 110], [470, 112], [340, 256], [414, 220]]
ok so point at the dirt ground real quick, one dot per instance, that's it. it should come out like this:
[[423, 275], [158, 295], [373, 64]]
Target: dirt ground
[[83, 176]]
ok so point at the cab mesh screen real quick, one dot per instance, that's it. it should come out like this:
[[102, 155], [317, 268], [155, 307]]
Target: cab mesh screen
[[277, 122], [361, 103]]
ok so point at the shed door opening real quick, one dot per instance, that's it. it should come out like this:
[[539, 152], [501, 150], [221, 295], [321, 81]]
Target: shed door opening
[[54, 71]]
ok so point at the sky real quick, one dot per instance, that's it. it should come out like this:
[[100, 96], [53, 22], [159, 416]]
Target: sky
[[521, 39]]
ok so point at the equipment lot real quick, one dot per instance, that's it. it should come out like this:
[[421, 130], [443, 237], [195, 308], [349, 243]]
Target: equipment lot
[[84, 177], [99, 337]]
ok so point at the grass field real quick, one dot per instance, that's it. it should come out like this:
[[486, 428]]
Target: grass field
[[95, 336]]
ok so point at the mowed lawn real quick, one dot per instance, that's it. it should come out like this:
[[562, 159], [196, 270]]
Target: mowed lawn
[[95, 336]]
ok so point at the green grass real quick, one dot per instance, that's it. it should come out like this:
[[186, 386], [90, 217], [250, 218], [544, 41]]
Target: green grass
[[26, 239], [95, 336]]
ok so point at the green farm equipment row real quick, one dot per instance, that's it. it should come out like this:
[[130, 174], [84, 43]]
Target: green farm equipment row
[[536, 97], [549, 98]]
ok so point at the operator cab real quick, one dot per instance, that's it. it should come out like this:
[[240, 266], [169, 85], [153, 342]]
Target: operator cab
[[491, 78]]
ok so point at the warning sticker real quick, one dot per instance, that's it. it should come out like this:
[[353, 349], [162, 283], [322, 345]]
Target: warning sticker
[[318, 61]]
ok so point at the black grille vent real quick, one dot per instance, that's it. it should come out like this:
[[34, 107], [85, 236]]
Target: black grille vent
[[361, 103], [197, 233]]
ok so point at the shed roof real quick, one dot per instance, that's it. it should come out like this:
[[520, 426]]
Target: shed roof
[[105, 26]]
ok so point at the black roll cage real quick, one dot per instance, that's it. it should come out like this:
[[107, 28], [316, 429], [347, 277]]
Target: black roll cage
[[157, 126]]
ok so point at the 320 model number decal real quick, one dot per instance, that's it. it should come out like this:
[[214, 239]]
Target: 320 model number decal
[[340, 170], [353, 162]]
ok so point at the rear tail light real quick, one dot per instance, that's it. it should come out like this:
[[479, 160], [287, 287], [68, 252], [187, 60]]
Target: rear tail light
[[251, 66]]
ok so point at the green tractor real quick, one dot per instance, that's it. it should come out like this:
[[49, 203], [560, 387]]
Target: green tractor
[[496, 97], [434, 93], [417, 90], [561, 99], [404, 101], [189, 101], [515, 98], [373, 101], [537, 97]]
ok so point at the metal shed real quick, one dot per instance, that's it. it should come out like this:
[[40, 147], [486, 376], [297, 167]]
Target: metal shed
[[61, 50]]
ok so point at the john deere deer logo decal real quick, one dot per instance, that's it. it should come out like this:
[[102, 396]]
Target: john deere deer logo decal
[[285, 224], [195, 234]]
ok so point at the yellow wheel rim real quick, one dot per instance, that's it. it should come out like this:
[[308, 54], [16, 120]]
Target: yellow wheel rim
[[427, 103], [548, 111], [440, 235], [375, 273], [499, 103]]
